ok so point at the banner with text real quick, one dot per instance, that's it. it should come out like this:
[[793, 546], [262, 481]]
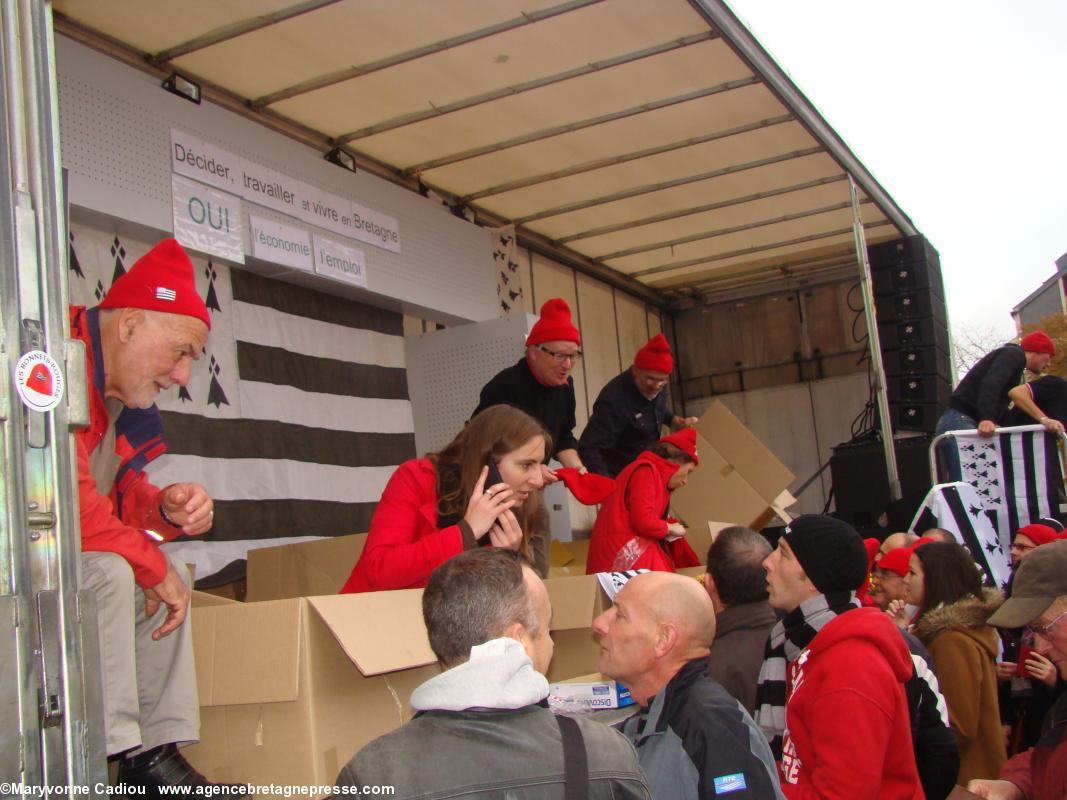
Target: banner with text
[[203, 161], [281, 244]]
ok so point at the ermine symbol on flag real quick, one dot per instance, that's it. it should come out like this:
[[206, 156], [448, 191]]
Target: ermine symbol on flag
[[163, 293]]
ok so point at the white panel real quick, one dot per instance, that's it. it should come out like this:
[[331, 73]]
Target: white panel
[[115, 130]]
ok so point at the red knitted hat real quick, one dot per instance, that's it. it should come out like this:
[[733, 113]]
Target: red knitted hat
[[160, 280], [1038, 342], [1038, 534], [588, 489], [555, 324], [686, 441], [896, 560], [872, 546], [655, 355]]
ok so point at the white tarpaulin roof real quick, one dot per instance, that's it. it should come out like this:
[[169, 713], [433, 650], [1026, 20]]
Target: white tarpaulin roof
[[653, 143]]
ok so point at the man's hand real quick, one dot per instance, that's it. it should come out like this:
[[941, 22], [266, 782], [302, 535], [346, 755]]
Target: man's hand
[[996, 790], [1052, 425], [188, 506], [548, 474], [1041, 669], [174, 594], [683, 422], [986, 428]]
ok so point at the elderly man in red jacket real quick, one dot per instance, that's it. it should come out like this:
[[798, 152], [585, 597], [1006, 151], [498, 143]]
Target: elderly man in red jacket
[[141, 340]]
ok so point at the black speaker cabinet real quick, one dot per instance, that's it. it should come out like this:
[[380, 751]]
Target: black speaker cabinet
[[917, 361], [917, 276], [918, 389], [924, 332], [903, 251], [914, 415], [861, 483], [911, 305]]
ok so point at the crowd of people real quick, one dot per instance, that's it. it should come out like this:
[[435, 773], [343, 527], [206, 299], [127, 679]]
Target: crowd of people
[[822, 667]]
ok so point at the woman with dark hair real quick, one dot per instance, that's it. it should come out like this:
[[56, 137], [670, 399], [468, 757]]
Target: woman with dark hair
[[483, 489], [632, 530], [944, 583]]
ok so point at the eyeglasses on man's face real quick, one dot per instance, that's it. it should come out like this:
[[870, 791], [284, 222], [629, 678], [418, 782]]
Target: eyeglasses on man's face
[[1045, 631], [559, 357]]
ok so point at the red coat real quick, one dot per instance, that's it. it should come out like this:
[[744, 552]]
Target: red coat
[[116, 523], [848, 729], [405, 545], [633, 517]]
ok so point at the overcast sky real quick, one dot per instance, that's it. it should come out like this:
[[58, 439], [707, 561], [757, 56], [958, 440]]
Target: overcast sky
[[959, 109]]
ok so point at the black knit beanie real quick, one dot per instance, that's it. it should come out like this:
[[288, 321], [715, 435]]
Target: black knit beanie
[[830, 551]]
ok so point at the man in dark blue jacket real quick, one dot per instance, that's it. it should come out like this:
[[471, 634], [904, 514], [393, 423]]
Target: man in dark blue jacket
[[630, 411]]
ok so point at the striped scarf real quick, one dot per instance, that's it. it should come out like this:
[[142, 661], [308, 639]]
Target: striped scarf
[[789, 637]]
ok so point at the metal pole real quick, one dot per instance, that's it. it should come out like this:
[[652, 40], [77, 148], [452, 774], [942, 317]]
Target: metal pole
[[874, 344]]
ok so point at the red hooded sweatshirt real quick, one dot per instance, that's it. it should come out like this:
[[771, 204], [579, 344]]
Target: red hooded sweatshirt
[[848, 734]]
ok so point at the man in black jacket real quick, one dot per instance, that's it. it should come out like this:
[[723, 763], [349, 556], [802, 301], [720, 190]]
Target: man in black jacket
[[981, 398], [693, 739]]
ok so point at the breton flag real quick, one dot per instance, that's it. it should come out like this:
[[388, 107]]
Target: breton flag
[[958, 509], [1016, 474]]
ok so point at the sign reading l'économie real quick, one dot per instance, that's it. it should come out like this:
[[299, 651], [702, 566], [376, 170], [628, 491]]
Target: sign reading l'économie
[[282, 244], [203, 161]]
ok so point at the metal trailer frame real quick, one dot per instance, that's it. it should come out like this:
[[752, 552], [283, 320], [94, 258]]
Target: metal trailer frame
[[52, 739]]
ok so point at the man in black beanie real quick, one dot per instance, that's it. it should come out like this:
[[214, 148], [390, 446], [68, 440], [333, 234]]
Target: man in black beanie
[[831, 696]]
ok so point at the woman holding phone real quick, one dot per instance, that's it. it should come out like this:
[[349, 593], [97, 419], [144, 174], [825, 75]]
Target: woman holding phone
[[482, 490], [944, 584]]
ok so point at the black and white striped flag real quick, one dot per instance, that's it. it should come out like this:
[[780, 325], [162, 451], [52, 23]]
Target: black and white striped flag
[[957, 508]]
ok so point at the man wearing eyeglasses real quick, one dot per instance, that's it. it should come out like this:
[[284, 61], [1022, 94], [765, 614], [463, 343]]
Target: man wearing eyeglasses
[[630, 411], [1038, 601], [541, 383]]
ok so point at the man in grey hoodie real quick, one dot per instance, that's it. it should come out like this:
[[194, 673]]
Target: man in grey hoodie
[[481, 727]]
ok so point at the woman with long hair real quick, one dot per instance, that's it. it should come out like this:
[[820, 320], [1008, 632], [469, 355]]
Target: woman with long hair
[[632, 530], [483, 489], [944, 584]]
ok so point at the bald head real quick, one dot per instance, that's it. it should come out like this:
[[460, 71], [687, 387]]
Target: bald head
[[895, 540], [679, 601], [660, 621]]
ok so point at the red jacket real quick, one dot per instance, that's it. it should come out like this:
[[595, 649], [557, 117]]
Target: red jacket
[[633, 517], [1041, 771], [848, 731], [116, 523], [405, 545]]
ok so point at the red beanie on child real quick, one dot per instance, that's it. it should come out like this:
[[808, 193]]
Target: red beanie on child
[[686, 441]]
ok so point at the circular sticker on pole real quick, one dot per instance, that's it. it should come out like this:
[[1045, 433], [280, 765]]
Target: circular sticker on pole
[[39, 381]]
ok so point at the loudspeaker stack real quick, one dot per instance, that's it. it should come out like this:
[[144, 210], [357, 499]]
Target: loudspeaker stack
[[912, 325]]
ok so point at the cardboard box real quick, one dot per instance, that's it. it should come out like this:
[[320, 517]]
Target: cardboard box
[[303, 569], [290, 689], [568, 559], [739, 480]]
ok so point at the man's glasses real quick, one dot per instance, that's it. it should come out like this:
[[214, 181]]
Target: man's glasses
[[1045, 630], [559, 358]]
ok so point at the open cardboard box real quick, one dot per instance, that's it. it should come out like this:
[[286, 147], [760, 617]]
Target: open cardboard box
[[739, 480], [290, 689], [302, 569]]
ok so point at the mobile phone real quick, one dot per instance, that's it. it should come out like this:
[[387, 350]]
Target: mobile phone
[[493, 478], [1020, 666]]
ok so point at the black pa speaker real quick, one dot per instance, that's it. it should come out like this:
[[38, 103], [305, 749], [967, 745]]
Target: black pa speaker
[[861, 483]]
